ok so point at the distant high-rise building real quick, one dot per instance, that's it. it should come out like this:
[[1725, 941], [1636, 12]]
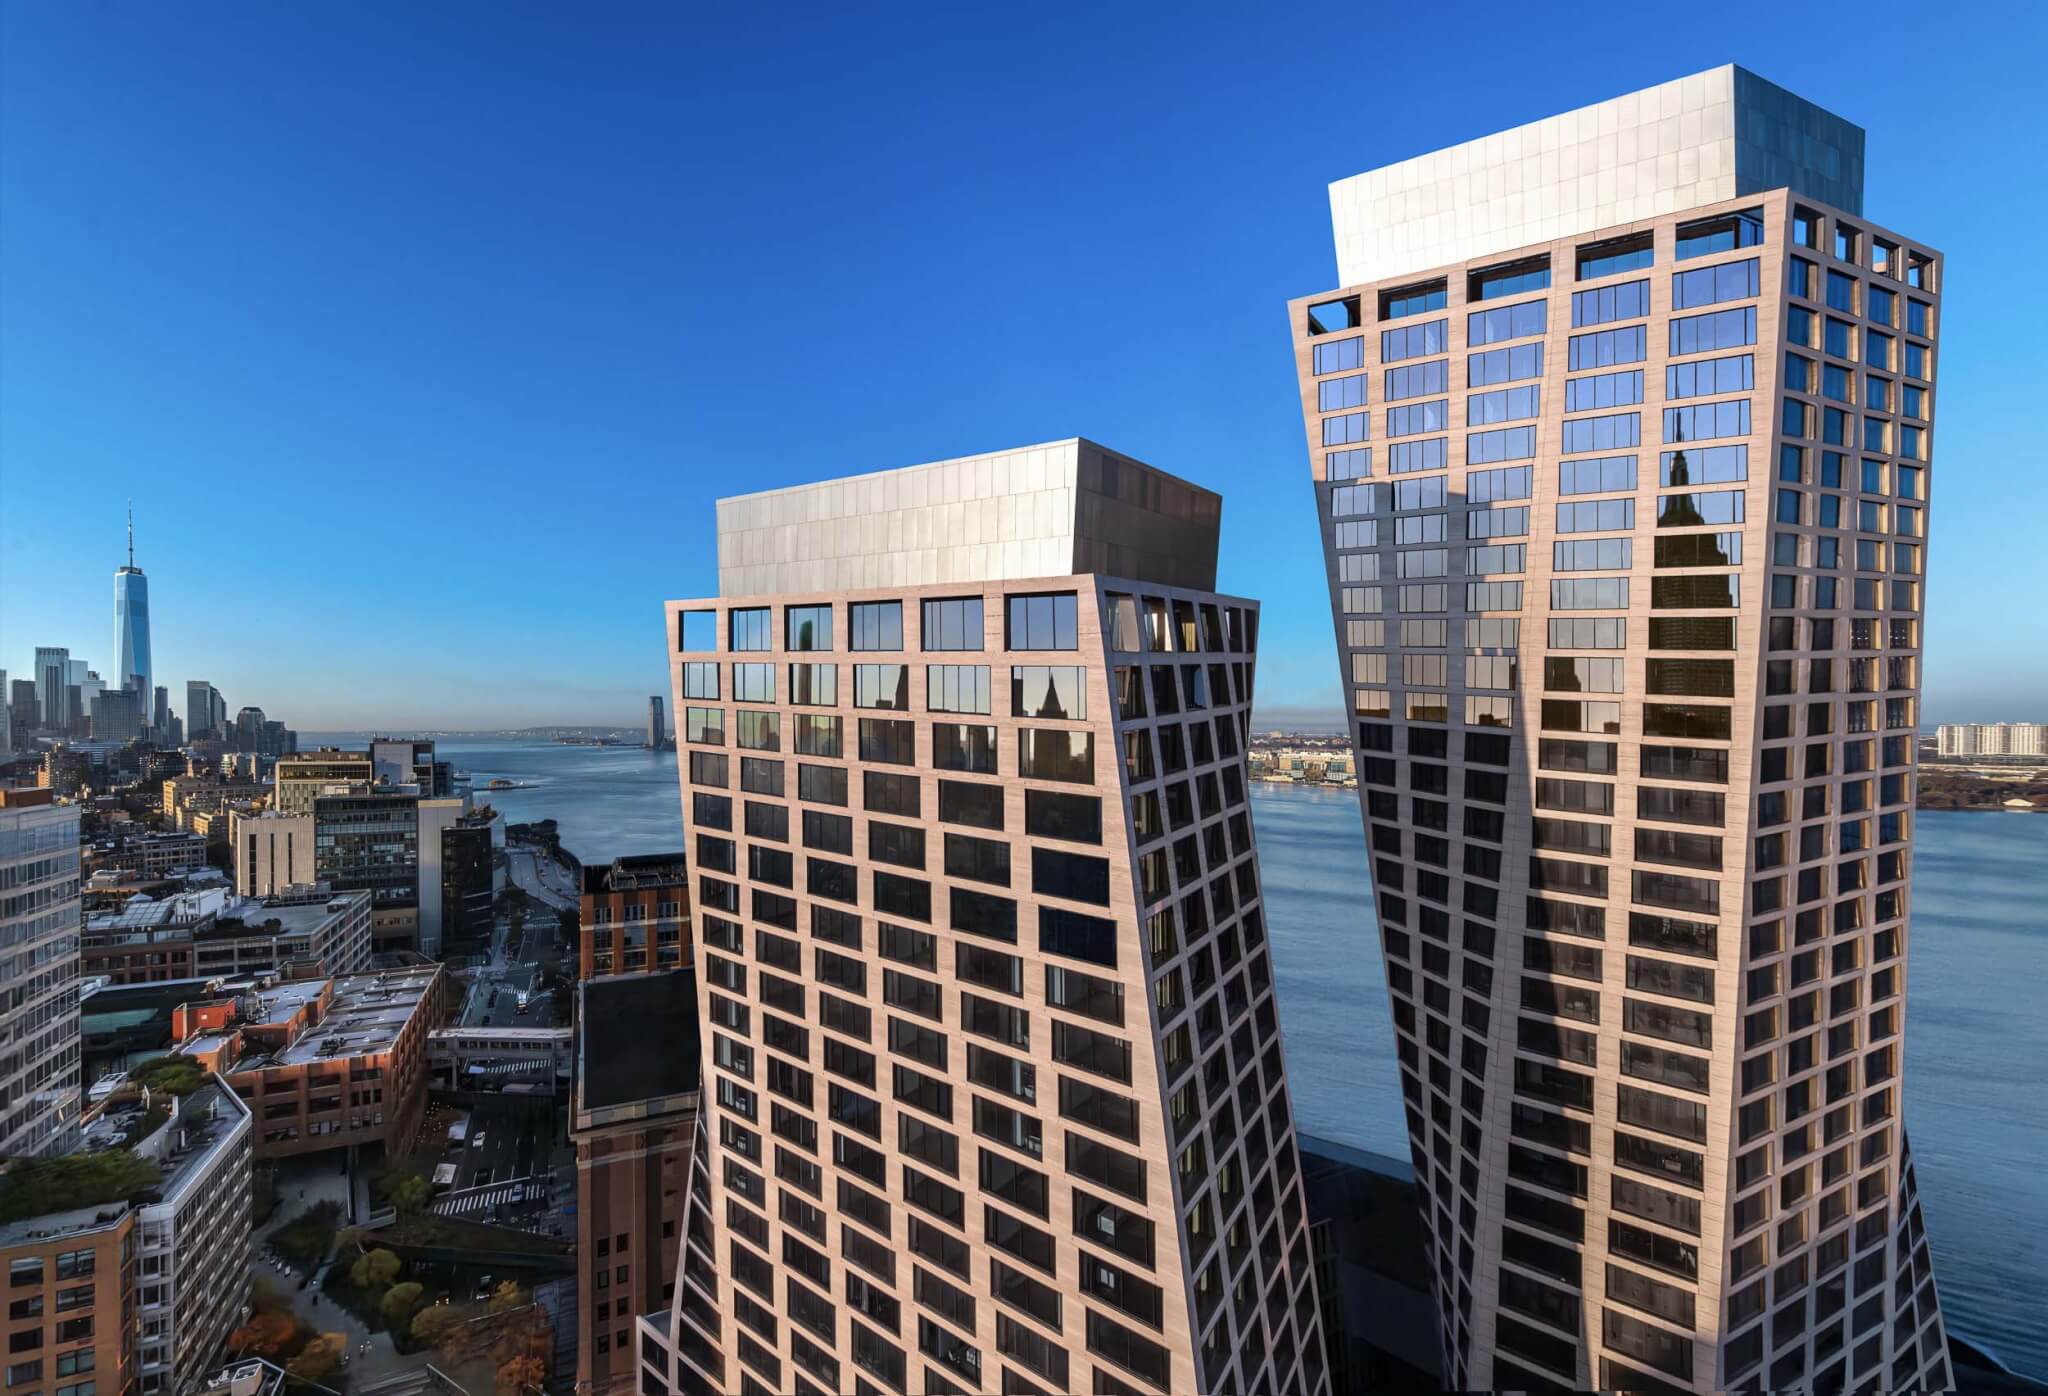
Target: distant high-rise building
[[160, 713], [403, 761], [116, 715], [53, 682], [6, 717], [1620, 437], [272, 852], [39, 928], [300, 778], [995, 1095], [22, 711], [438, 816], [469, 881], [131, 624], [89, 684], [657, 730], [1991, 739], [205, 711], [249, 729]]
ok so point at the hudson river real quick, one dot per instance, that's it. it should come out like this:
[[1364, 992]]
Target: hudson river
[[1977, 1032]]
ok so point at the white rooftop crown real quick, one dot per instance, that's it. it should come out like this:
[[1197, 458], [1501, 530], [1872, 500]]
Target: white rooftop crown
[[1695, 140]]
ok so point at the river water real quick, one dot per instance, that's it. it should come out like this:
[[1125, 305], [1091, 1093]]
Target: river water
[[1977, 1036]]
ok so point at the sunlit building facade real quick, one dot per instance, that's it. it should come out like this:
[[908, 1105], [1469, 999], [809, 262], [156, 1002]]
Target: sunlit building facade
[[994, 1093], [1621, 437]]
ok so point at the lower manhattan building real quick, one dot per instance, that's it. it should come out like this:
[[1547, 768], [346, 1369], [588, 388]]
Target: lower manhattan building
[[128, 1260], [635, 915], [40, 914], [1620, 432], [994, 1093], [637, 1091]]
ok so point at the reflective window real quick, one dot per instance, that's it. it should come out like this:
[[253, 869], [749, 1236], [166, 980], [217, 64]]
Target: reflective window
[[1731, 281], [876, 625], [1500, 282], [1720, 329], [1411, 300], [1340, 355], [1507, 365], [1628, 301], [1507, 322], [1044, 622], [1615, 256], [752, 628], [807, 627], [1413, 341], [952, 623], [1724, 232]]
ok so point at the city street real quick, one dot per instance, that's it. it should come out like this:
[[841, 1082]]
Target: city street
[[541, 877]]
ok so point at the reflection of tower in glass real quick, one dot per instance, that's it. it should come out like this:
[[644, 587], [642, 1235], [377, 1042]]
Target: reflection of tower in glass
[[131, 626], [1620, 440], [994, 1092]]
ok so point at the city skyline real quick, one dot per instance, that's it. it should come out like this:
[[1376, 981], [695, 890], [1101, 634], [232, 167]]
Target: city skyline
[[425, 374]]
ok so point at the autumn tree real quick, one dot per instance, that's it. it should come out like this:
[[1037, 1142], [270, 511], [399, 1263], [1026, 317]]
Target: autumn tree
[[508, 1295], [267, 1333], [431, 1325], [521, 1374], [318, 1358]]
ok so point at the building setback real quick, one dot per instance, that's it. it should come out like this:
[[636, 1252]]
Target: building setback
[[1623, 483], [995, 1094]]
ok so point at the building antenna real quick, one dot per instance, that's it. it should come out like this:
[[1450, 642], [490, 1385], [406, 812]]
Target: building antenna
[[131, 533]]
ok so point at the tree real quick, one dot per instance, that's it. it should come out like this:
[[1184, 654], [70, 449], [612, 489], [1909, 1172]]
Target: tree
[[268, 1332], [397, 1305], [432, 1324], [409, 1193], [521, 1374], [508, 1295], [318, 1358], [375, 1269]]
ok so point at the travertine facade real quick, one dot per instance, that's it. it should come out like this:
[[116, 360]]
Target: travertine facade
[[1625, 531], [994, 1090]]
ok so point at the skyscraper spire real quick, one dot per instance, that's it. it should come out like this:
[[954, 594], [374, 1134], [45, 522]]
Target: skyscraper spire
[[131, 533]]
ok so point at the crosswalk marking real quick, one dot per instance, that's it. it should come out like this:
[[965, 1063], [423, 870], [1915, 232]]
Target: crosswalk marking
[[458, 1204]]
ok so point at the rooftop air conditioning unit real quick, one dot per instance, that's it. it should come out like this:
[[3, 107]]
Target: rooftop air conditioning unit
[[247, 1380]]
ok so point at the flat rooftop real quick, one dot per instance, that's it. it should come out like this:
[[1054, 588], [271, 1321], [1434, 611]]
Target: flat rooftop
[[364, 1017], [636, 872], [260, 917], [1061, 508], [637, 1038]]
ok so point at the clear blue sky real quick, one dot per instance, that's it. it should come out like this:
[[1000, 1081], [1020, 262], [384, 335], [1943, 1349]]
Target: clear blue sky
[[424, 335]]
